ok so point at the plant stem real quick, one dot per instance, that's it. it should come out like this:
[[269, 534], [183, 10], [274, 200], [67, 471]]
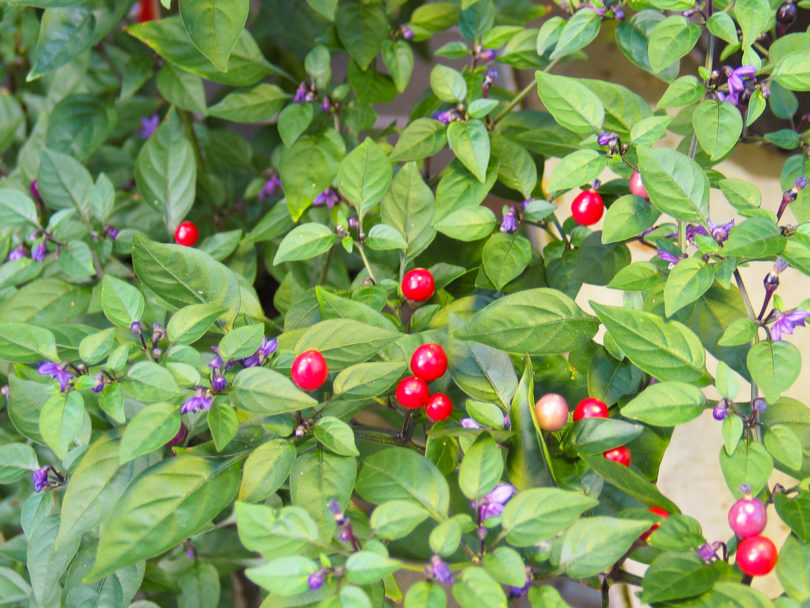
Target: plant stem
[[366, 263], [744, 293]]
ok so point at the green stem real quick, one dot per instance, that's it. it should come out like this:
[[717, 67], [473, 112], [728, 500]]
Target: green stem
[[366, 263]]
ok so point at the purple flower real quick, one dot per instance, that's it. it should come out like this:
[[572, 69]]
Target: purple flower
[[509, 222], [99, 383], [760, 405], [326, 105], [328, 197], [218, 382], [800, 183], [57, 372], [136, 328], [485, 54], [785, 323], [469, 423], [719, 233], [618, 13], [267, 348], [149, 125], [522, 591], [607, 138], [439, 570], [34, 188], [407, 33], [668, 257], [39, 252], [270, 187], [780, 265], [353, 223], [40, 477], [112, 232], [16, 254], [493, 503], [158, 333], [446, 117], [707, 552], [200, 401], [315, 580], [736, 82], [178, 438], [301, 93]]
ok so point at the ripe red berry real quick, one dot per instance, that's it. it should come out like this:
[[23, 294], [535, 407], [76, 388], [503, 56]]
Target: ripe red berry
[[309, 370], [551, 411], [620, 455], [148, 10], [661, 513], [412, 392], [747, 517], [186, 234], [587, 208], [418, 285], [429, 362], [756, 555], [438, 407], [637, 186], [590, 408]]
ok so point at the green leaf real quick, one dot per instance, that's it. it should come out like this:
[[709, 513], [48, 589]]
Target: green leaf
[[259, 390], [79, 124], [191, 323], [783, 444], [739, 331], [665, 350], [626, 218], [402, 474], [673, 576], [383, 237], [505, 257], [684, 91], [284, 576], [366, 567], [579, 31], [753, 17], [598, 435], [666, 404], [223, 422], [77, 260], [481, 468], [13, 587], [539, 514], [16, 461], [632, 38], [365, 175], [571, 104], [676, 183], [795, 512], [162, 507], [166, 172], [168, 38], [318, 477], [677, 533], [241, 342], [687, 281], [448, 84], [423, 594], [408, 206], [150, 382], [23, 343], [470, 143], [468, 223], [149, 430], [307, 168], [362, 28], [344, 342], [722, 25], [397, 518], [670, 40], [265, 470], [756, 237], [477, 589], [793, 72], [367, 380], [793, 563], [638, 276], [732, 433], [122, 303], [506, 566], [180, 88], [423, 138], [718, 126], [774, 367], [629, 481], [294, 121], [64, 183], [253, 105], [184, 275], [546, 596], [534, 321], [592, 544], [17, 209], [578, 168], [398, 59], [214, 26], [285, 531], [516, 167], [751, 463], [60, 420], [336, 435]]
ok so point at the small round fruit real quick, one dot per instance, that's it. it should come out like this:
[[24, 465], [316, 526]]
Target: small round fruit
[[186, 234], [309, 370], [551, 411], [661, 513], [438, 407], [756, 555], [429, 362], [620, 455], [590, 408], [747, 517], [418, 285], [637, 186], [412, 392], [587, 208]]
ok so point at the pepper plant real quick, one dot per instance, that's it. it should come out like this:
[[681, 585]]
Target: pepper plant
[[262, 345]]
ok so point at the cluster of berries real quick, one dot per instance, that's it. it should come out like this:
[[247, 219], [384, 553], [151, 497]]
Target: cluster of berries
[[756, 554], [428, 363]]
